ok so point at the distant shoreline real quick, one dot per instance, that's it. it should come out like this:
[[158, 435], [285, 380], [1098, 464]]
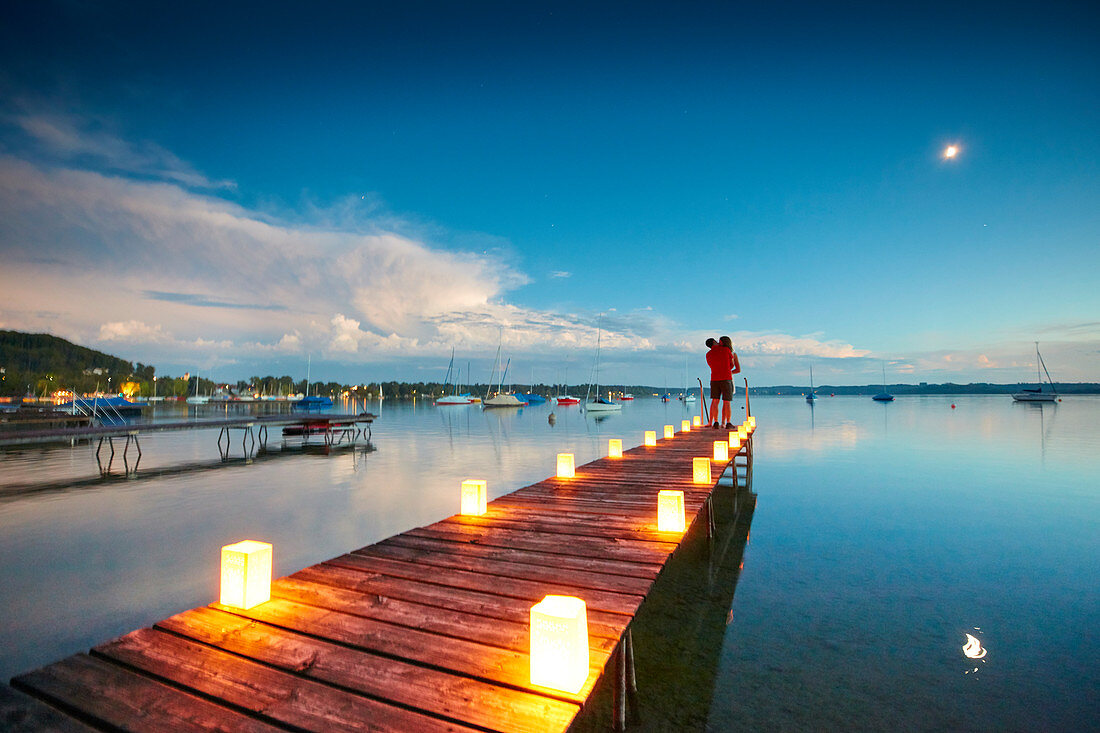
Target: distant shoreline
[[1063, 388]]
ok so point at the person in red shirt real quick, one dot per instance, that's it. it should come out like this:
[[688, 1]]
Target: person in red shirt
[[723, 365]]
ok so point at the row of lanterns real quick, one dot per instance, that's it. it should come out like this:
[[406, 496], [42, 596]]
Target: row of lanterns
[[559, 624]]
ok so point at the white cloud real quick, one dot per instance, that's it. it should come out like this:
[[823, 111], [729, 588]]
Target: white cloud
[[561, 273], [70, 137]]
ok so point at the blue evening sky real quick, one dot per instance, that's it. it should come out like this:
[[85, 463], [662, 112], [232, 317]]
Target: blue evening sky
[[373, 183]]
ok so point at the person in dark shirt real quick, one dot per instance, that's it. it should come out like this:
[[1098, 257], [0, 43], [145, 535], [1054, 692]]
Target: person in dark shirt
[[723, 365]]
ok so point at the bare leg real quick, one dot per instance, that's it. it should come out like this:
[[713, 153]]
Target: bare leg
[[725, 412], [714, 410]]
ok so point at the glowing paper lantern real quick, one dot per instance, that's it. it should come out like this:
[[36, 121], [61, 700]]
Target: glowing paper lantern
[[742, 433], [669, 431], [700, 470], [474, 497], [697, 421], [246, 574], [751, 420], [559, 643], [685, 425], [670, 511], [614, 448], [721, 450], [565, 465], [651, 438]]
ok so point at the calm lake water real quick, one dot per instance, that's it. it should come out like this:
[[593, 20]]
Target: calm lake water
[[882, 536]]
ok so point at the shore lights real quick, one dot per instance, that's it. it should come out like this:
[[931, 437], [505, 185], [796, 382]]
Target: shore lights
[[614, 448], [559, 643], [565, 465], [650, 438], [700, 470], [697, 421], [670, 511], [246, 574], [685, 425], [721, 450], [669, 431], [474, 493]]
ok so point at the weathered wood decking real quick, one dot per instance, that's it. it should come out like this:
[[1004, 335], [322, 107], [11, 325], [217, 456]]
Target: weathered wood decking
[[425, 631]]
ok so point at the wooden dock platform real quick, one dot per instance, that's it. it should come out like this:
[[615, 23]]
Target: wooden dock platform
[[424, 631]]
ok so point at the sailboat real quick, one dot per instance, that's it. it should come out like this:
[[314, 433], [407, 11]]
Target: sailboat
[[500, 398], [811, 396], [883, 396], [315, 402], [451, 399], [597, 403], [197, 399], [1038, 395]]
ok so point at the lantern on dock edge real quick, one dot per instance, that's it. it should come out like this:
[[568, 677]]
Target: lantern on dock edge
[[721, 450], [474, 497], [697, 421], [670, 511], [700, 470], [565, 465], [742, 433], [559, 643], [614, 448], [246, 574], [685, 425], [669, 431], [651, 438], [734, 442]]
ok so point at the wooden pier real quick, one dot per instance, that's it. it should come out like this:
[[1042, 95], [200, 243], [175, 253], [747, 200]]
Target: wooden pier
[[424, 631]]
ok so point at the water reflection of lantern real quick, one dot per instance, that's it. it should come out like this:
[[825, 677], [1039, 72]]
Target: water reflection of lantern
[[559, 643], [670, 511], [721, 450], [685, 425], [697, 421], [700, 470], [474, 499], [246, 574], [614, 448], [651, 438], [565, 465], [669, 431]]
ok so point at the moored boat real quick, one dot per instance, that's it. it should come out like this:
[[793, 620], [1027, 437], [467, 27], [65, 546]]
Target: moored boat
[[1038, 395]]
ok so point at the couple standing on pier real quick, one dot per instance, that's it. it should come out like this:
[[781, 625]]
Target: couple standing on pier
[[723, 364]]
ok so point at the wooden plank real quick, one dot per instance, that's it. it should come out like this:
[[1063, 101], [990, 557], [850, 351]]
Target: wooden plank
[[270, 693], [532, 591], [109, 695], [611, 567], [20, 713], [424, 688], [488, 663], [309, 581], [456, 624], [551, 524], [506, 569], [595, 547]]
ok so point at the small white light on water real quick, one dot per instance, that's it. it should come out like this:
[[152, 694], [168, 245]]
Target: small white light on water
[[973, 648]]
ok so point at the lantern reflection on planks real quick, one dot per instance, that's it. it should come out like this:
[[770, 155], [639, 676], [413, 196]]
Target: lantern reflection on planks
[[246, 574], [474, 497], [700, 470], [721, 450], [651, 438], [559, 643], [670, 511], [614, 448], [669, 431], [565, 465], [685, 425]]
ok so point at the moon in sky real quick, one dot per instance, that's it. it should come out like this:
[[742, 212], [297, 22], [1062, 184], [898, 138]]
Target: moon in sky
[[951, 151]]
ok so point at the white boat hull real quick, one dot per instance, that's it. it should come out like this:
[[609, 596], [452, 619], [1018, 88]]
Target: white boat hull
[[1034, 397], [602, 407], [453, 400], [503, 400]]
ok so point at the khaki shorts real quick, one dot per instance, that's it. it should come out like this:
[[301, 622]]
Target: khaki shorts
[[721, 388]]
